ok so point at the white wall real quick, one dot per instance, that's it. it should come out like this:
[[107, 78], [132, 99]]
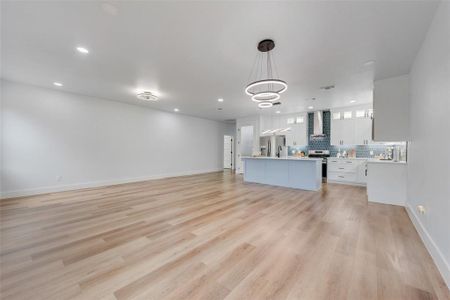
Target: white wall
[[55, 140], [241, 122], [429, 152]]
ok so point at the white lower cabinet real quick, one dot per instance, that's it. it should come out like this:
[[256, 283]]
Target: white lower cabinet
[[387, 182], [348, 171]]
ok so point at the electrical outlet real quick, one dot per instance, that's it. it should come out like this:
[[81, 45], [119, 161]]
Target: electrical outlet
[[421, 209]]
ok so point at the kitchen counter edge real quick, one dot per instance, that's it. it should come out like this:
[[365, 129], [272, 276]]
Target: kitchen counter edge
[[283, 158]]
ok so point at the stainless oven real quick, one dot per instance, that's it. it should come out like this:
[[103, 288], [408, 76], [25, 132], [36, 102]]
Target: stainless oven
[[321, 154]]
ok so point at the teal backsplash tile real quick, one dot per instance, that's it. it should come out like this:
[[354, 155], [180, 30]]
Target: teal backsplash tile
[[324, 143]]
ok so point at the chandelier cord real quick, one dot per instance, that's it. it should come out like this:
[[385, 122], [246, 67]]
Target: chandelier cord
[[269, 70], [274, 63], [255, 61]]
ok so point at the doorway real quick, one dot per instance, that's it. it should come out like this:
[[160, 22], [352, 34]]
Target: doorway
[[228, 151], [244, 145]]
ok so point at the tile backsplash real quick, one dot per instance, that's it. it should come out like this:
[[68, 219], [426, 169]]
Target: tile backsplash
[[323, 143]]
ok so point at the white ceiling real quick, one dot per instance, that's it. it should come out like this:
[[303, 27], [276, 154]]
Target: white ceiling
[[192, 53]]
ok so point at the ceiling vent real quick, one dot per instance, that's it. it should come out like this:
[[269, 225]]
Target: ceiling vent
[[147, 96], [327, 87]]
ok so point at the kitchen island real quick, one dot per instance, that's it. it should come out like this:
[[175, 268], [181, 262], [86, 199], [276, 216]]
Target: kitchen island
[[293, 172]]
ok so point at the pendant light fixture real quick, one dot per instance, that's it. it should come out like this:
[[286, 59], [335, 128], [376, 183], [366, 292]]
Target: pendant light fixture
[[265, 88]]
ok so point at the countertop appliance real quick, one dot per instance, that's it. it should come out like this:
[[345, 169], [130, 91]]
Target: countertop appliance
[[321, 154]]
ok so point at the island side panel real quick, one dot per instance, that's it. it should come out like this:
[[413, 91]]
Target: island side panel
[[306, 175], [277, 172], [299, 174], [254, 170]]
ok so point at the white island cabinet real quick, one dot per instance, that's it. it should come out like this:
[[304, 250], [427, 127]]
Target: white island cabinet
[[386, 182], [299, 173]]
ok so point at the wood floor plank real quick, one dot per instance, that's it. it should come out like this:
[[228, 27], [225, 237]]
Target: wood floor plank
[[211, 236]]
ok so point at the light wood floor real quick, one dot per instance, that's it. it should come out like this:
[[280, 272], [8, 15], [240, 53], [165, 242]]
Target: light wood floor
[[211, 236]]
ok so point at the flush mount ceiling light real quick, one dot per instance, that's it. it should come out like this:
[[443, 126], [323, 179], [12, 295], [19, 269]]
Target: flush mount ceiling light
[[265, 87], [176, 110], [147, 96], [220, 99], [353, 101], [265, 104], [310, 107], [82, 50], [57, 84]]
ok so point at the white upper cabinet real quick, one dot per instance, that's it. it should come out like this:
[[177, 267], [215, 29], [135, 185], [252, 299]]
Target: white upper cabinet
[[293, 126], [265, 124], [342, 127], [363, 127], [391, 109], [297, 136], [351, 126]]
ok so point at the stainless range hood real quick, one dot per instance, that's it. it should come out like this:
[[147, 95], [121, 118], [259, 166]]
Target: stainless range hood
[[318, 124]]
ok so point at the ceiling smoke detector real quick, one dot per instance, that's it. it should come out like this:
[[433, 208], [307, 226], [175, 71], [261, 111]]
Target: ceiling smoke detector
[[147, 96]]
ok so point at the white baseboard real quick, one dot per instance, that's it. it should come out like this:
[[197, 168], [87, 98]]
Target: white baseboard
[[435, 252], [84, 185]]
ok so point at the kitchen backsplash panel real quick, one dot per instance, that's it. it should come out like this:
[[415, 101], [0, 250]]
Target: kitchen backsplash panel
[[323, 143]]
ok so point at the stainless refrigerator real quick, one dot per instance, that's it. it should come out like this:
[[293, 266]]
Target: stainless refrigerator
[[273, 146]]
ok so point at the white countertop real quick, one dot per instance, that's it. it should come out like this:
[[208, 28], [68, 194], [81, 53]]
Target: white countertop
[[347, 158], [283, 158], [380, 161], [370, 160]]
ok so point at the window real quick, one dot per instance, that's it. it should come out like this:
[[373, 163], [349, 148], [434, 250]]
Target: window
[[336, 116], [360, 113], [347, 115], [300, 120], [290, 121]]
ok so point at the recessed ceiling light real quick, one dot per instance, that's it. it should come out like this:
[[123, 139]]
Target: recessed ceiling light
[[176, 110], [220, 99], [353, 101], [278, 112], [82, 50], [57, 83], [147, 96], [369, 63], [310, 107]]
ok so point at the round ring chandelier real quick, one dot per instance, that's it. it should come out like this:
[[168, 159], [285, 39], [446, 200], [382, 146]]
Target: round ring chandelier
[[265, 89], [265, 97], [265, 104]]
